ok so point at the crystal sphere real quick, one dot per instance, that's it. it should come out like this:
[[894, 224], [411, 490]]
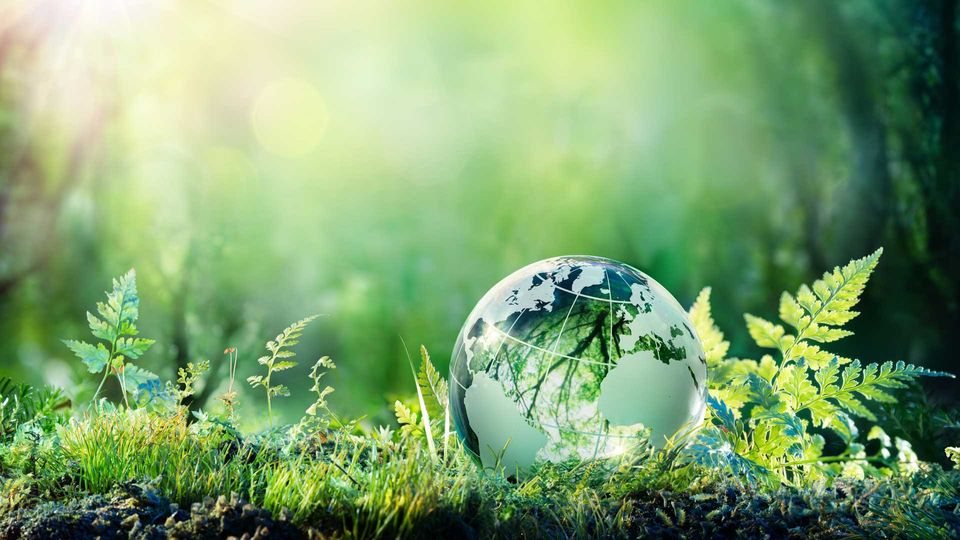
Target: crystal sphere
[[574, 357]]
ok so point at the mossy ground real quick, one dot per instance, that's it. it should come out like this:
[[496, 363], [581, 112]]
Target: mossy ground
[[917, 507]]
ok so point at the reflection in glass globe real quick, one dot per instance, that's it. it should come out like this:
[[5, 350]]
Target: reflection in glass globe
[[573, 357]]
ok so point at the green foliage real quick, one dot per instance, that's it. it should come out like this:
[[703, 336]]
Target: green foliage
[[116, 328], [315, 375], [765, 415], [22, 404], [278, 360], [433, 400], [229, 398], [765, 427], [953, 452], [188, 376], [113, 447]]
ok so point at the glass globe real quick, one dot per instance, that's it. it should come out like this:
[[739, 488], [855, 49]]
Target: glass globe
[[574, 357]]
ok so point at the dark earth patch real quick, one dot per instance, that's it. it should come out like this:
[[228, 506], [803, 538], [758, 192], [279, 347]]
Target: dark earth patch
[[136, 512]]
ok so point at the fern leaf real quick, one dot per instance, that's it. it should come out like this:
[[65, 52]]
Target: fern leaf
[[714, 346], [283, 365], [100, 328], [122, 307], [814, 356], [133, 348], [433, 385], [95, 357], [409, 423], [766, 334], [829, 300], [134, 377], [871, 382], [796, 385]]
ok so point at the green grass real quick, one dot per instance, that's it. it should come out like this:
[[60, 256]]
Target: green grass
[[355, 483], [98, 451]]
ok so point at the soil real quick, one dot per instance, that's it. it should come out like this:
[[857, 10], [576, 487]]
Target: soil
[[135, 512]]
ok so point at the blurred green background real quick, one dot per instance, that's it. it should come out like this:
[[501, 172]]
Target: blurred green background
[[385, 163]]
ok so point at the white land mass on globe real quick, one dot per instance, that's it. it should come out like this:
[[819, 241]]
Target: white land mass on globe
[[644, 390], [500, 428], [589, 276]]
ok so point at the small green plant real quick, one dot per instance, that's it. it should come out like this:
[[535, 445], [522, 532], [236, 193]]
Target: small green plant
[[230, 397], [315, 375], [277, 360], [764, 414], [22, 404], [432, 396], [116, 328], [188, 376]]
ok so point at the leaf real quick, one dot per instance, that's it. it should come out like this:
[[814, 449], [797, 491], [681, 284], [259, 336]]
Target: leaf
[[792, 313], [814, 356], [433, 385], [722, 413], [134, 377], [122, 305], [796, 385], [100, 328], [95, 357], [767, 368], [953, 452], [407, 419], [767, 334], [763, 394], [714, 346], [832, 297], [827, 377], [255, 380], [283, 365], [711, 448], [133, 348]]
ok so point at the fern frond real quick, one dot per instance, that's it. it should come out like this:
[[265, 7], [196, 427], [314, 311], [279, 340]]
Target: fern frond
[[424, 411], [278, 348], [842, 391], [409, 423], [116, 326], [432, 385], [767, 334], [819, 309], [714, 346]]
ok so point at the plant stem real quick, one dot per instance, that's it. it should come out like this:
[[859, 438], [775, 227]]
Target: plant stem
[[266, 386], [113, 348], [106, 373]]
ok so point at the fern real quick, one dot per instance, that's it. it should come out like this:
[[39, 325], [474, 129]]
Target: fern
[[278, 360], [432, 396], [816, 313], [432, 385], [953, 452], [714, 346], [187, 377], [315, 376], [409, 425], [763, 412], [116, 328]]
